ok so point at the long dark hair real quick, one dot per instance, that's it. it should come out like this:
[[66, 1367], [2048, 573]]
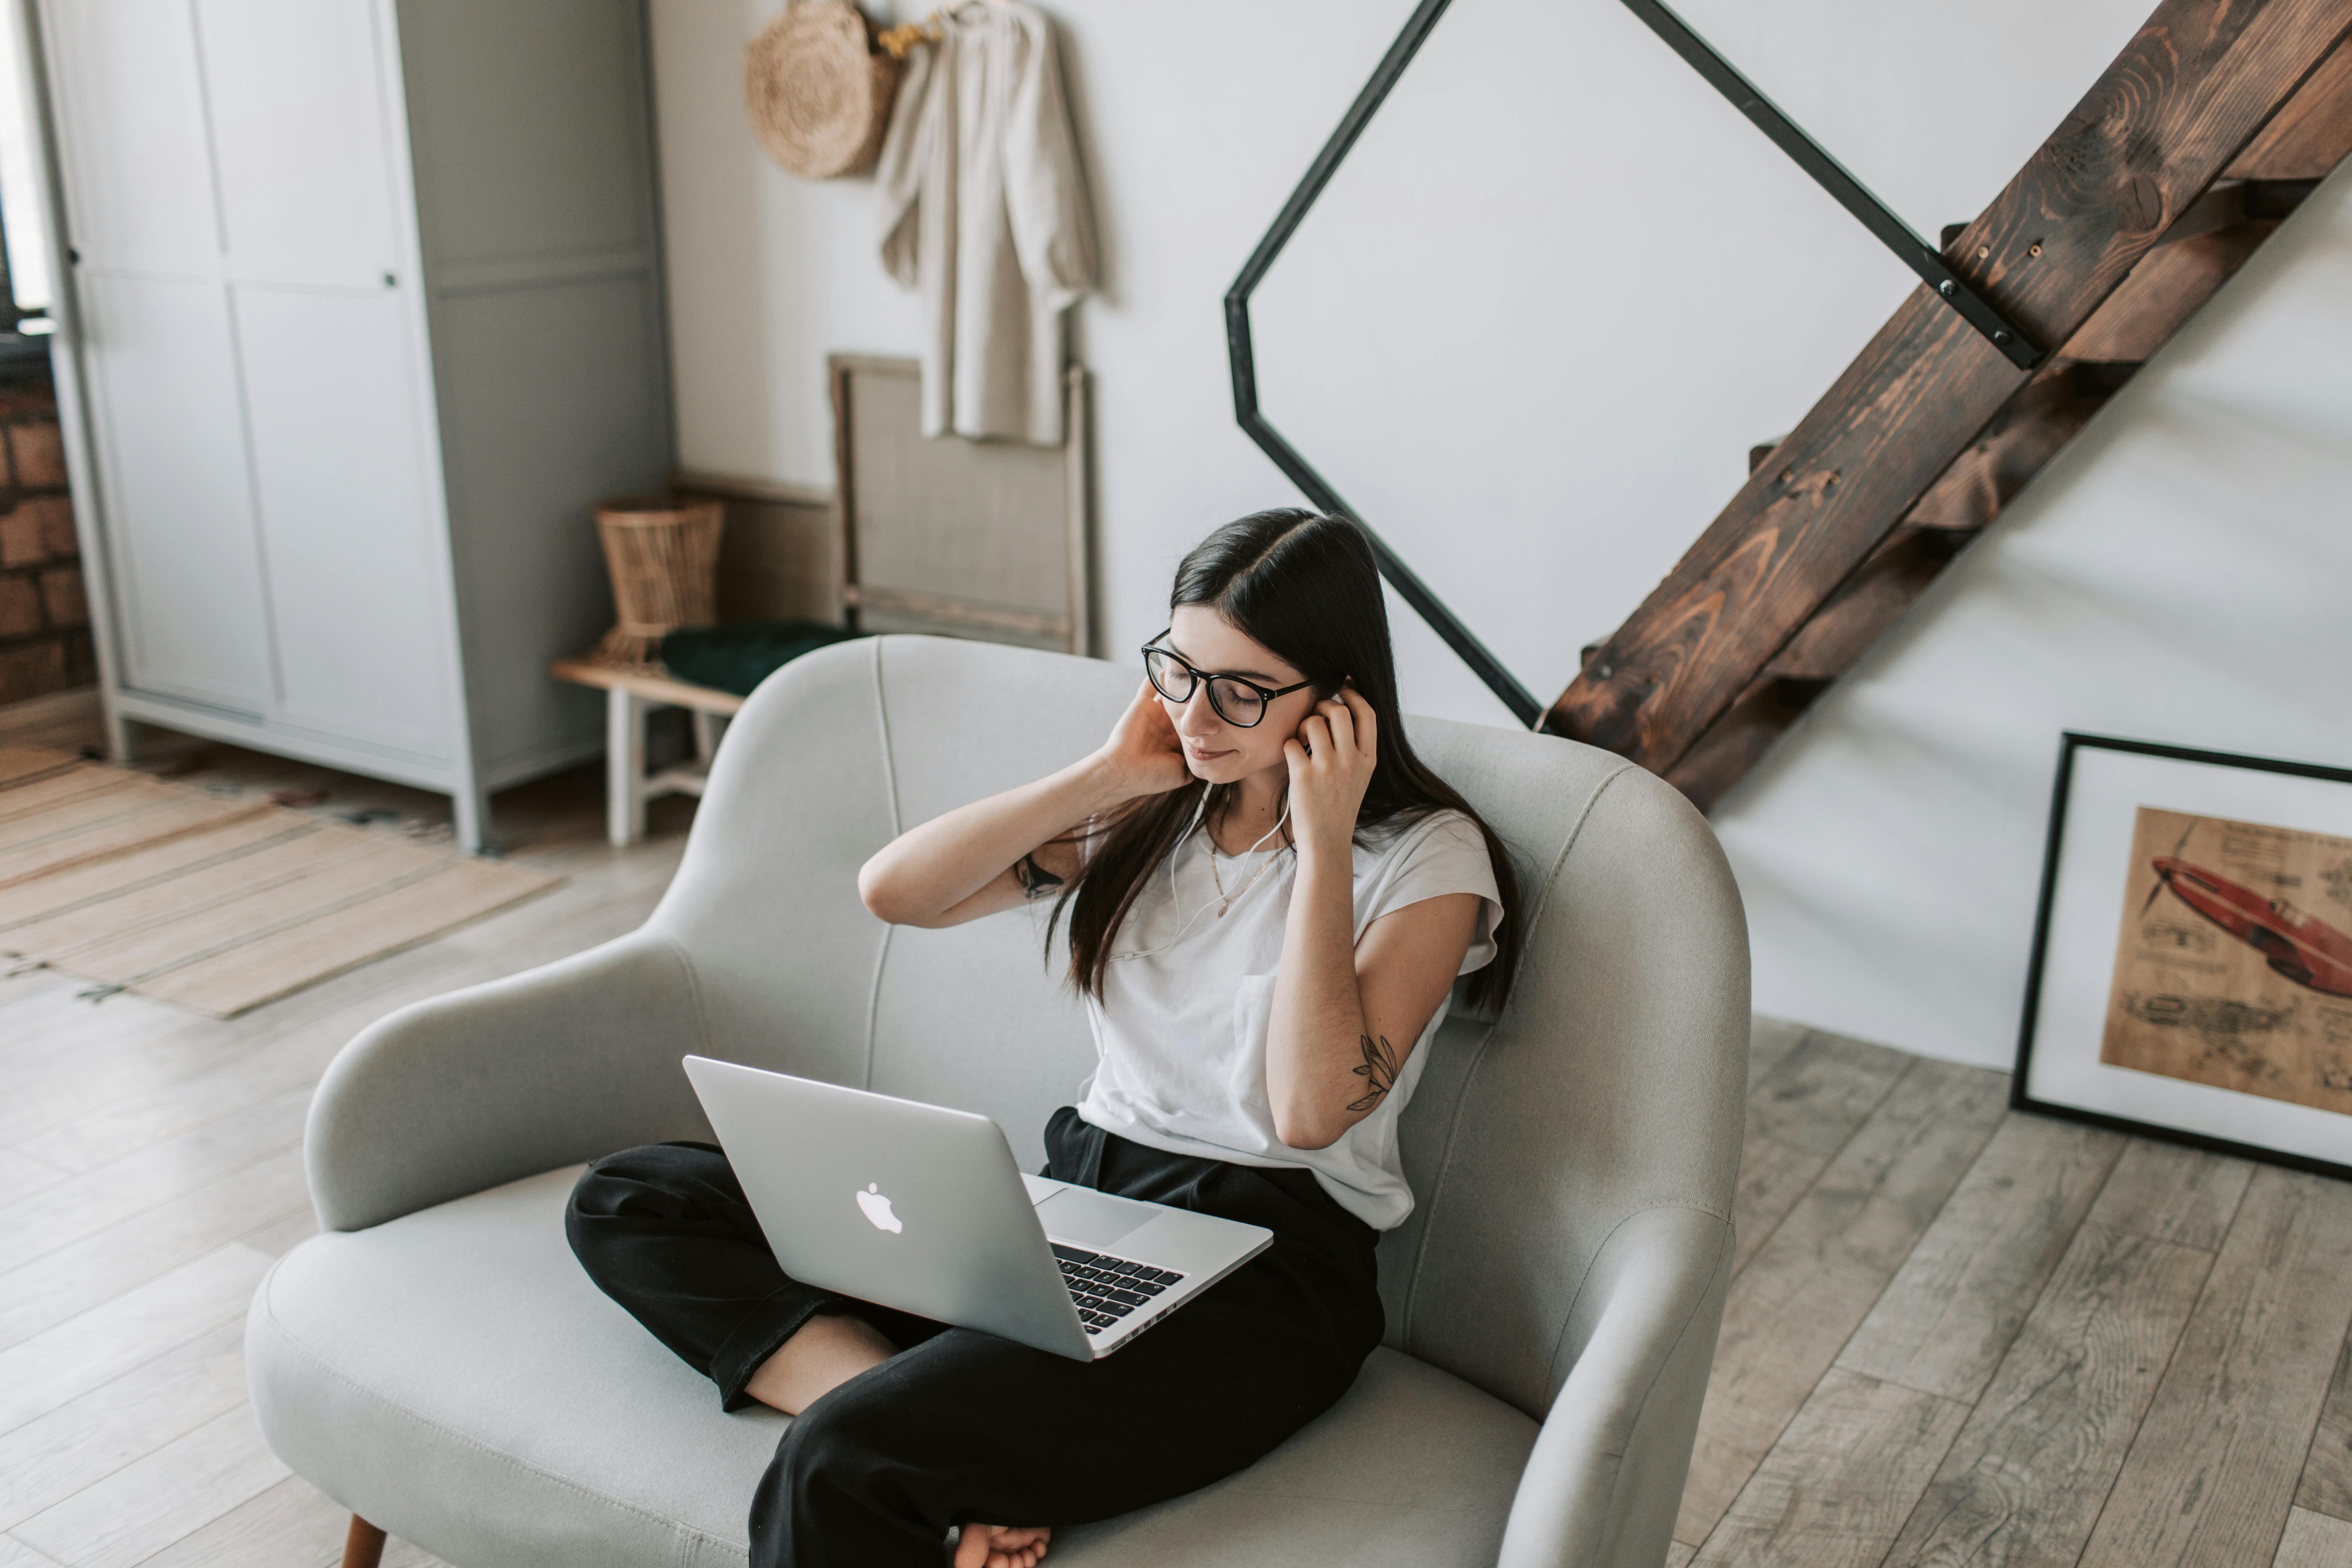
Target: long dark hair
[[1305, 586]]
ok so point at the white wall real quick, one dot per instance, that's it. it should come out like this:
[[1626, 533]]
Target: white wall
[[1530, 332]]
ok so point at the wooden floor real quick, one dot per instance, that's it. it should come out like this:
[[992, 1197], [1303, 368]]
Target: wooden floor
[[151, 1164], [1962, 1335], [1957, 1335]]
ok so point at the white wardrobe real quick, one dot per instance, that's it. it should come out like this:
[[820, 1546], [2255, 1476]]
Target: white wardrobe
[[366, 314]]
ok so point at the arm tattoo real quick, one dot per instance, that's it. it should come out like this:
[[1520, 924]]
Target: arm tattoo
[[1037, 882], [1379, 1071]]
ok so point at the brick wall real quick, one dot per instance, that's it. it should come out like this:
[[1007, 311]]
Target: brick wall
[[44, 617]]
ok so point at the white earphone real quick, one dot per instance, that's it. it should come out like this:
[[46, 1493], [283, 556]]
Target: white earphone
[[1186, 928]]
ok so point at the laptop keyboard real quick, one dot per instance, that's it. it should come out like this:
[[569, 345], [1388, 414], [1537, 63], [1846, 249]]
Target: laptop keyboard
[[1108, 1289]]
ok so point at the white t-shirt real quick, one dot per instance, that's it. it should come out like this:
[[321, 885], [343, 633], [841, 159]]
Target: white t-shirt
[[1182, 1027]]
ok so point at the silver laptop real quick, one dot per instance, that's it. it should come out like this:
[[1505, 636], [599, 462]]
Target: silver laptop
[[923, 1208]]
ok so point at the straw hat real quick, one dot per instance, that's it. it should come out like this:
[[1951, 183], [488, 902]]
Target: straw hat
[[818, 90]]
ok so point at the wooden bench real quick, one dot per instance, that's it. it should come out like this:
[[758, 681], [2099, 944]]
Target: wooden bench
[[629, 696]]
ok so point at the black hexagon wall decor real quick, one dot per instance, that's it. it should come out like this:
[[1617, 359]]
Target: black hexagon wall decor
[[1809, 155]]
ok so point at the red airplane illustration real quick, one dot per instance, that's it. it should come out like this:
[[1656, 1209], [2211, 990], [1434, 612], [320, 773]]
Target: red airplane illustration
[[2307, 949]]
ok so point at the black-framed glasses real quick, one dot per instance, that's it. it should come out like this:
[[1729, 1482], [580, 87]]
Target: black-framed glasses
[[1239, 702]]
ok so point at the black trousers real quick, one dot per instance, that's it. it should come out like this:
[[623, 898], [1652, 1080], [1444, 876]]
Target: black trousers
[[962, 1426]]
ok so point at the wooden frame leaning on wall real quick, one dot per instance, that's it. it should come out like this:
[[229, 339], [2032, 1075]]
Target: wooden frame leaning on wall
[[996, 475]]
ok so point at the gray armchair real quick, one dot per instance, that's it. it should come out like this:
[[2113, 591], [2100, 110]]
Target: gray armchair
[[436, 1362]]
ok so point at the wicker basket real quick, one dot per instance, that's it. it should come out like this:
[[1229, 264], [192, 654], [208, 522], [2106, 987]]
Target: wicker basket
[[662, 554], [819, 90]]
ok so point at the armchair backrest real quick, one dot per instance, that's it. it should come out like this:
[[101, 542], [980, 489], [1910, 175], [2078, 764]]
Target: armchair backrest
[[1611, 1082]]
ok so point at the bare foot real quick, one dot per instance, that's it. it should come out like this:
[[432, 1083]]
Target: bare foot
[[1003, 1545], [823, 1353]]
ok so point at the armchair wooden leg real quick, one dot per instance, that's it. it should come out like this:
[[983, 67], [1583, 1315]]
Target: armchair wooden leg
[[363, 1547]]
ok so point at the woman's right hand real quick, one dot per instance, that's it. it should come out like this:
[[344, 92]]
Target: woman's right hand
[[961, 864], [1143, 755]]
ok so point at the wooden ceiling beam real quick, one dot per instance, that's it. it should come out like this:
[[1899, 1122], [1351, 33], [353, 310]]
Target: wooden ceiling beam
[[2167, 288], [2182, 103]]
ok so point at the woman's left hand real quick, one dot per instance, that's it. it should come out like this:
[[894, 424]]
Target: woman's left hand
[[1331, 760]]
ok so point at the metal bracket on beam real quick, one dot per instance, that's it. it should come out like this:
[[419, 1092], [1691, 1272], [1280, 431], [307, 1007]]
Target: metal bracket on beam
[[1833, 177]]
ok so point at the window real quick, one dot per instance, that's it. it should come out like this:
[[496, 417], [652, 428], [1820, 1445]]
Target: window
[[28, 288]]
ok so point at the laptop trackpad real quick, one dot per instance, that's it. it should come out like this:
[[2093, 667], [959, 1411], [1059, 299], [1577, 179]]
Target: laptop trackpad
[[1089, 1219]]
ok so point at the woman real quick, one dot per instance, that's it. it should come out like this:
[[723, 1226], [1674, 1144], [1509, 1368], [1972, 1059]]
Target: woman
[[1268, 899]]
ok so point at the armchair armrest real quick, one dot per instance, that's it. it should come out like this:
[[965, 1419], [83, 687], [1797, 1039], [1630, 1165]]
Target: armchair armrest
[[460, 1092], [1606, 1477]]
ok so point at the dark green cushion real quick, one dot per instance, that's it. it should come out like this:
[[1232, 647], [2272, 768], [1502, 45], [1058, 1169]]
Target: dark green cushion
[[738, 657]]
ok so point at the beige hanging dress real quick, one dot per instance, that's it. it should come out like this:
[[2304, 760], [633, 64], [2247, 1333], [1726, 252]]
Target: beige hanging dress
[[984, 210]]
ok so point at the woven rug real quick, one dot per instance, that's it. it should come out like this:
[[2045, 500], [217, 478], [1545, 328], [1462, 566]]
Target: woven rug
[[215, 903]]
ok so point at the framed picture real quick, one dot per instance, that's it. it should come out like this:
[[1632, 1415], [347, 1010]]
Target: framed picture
[[2192, 956]]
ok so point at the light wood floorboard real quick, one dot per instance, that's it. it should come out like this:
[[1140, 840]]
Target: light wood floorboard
[[92, 1348], [1837, 1485], [2167, 1193], [23, 1174], [291, 1525], [2027, 1477], [1952, 1309], [2328, 1471], [152, 1503], [141, 1119], [103, 1265], [1804, 1293], [2024, 1483], [281, 1233], [84, 1205], [1802, 1110], [2314, 1541], [85, 1440], [2212, 1472], [1768, 1041]]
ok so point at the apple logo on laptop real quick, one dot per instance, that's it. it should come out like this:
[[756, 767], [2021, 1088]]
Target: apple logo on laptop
[[877, 1209]]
